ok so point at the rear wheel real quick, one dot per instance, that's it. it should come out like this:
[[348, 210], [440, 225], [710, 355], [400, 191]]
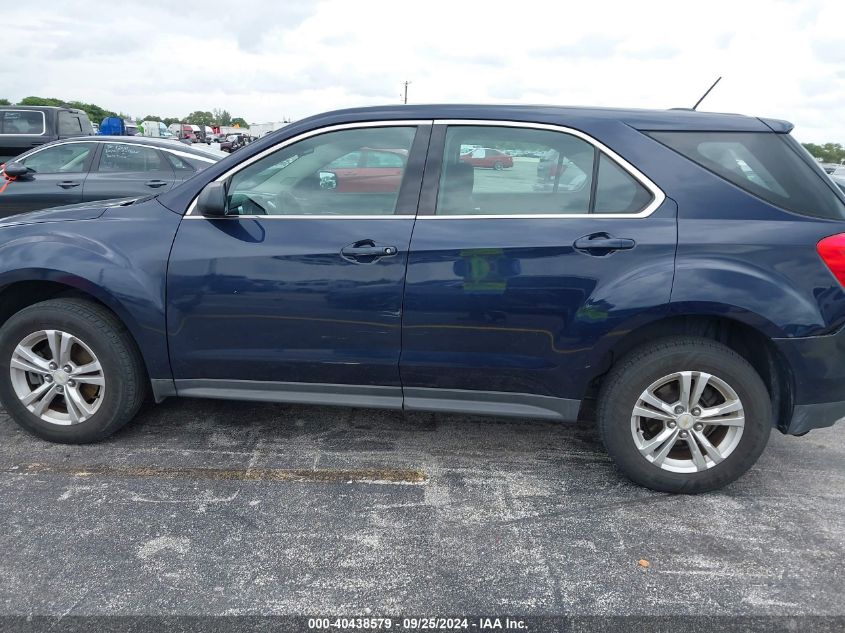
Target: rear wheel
[[684, 415], [69, 371]]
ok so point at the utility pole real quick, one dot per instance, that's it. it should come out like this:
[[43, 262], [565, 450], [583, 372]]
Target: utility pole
[[406, 91]]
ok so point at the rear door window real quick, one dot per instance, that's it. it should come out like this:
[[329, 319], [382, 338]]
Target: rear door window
[[552, 173], [128, 157], [763, 164], [617, 191]]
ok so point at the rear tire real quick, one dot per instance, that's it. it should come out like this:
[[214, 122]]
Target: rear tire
[[689, 445], [69, 371]]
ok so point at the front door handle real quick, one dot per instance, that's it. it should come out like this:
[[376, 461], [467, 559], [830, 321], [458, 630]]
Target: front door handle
[[156, 183], [69, 184], [602, 244], [366, 251]]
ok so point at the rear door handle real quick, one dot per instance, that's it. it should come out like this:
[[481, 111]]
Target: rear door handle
[[69, 184], [156, 183], [603, 244], [367, 250]]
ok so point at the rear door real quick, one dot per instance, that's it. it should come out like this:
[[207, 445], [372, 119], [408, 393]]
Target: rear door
[[57, 177], [128, 169], [512, 281]]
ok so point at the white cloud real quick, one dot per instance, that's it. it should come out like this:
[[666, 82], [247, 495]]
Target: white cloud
[[264, 60]]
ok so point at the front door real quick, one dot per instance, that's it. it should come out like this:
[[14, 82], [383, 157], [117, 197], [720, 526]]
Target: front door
[[57, 177], [303, 282], [516, 276]]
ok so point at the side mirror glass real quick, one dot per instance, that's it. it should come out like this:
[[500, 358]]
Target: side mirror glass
[[328, 180], [15, 170], [212, 200]]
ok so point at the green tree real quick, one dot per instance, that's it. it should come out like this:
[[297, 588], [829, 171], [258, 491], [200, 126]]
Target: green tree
[[41, 101], [94, 112], [239, 121], [222, 117], [5, 102], [200, 118], [829, 152]]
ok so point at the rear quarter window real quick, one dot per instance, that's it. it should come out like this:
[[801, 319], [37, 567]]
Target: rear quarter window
[[19, 122], [764, 164]]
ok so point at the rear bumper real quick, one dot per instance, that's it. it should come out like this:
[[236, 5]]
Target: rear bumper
[[806, 417], [817, 364]]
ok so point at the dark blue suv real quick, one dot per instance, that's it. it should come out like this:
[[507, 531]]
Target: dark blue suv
[[676, 274]]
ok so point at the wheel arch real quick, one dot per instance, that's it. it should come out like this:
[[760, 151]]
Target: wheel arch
[[15, 295], [744, 335]]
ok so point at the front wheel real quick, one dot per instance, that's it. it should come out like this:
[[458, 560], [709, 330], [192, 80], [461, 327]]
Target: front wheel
[[684, 415], [498, 166], [69, 371]]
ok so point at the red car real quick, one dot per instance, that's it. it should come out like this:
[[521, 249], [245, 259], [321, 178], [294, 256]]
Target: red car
[[368, 171], [486, 157]]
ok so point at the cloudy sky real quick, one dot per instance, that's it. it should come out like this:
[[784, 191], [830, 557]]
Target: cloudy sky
[[265, 60]]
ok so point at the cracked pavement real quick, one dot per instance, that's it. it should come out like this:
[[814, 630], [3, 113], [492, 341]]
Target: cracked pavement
[[209, 507]]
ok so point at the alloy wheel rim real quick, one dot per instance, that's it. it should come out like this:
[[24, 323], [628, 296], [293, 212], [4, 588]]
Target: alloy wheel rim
[[57, 377], [687, 422]]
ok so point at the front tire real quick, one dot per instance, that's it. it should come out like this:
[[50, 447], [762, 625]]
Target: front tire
[[684, 415], [69, 371]]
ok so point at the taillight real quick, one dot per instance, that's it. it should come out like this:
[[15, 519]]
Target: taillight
[[832, 251]]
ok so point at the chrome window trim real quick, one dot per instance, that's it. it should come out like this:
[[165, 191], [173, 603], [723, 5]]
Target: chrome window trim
[[43, 122], [103, 141], [191, 215], [658, 197]]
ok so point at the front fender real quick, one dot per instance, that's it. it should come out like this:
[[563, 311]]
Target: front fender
[[119, 259]]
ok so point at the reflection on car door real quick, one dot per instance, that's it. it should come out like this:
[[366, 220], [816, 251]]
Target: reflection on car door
[[57, 177], [125, 170], [299, 284]]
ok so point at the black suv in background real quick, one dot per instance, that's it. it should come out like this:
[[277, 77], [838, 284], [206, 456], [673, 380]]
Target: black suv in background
[[25, 127]]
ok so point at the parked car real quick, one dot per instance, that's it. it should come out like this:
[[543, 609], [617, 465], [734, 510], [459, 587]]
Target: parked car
[[97, 168], [689, 305], [233, 142], [557, 171], [25, 127], [487, 157], [366, 170], [839, 180]]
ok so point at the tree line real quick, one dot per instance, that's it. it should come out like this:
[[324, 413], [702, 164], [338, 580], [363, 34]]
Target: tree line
[[829, 152], [97, 114]]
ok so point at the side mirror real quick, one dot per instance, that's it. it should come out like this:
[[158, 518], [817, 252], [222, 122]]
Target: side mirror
[[212, 200], [15, 170], [328, 180]]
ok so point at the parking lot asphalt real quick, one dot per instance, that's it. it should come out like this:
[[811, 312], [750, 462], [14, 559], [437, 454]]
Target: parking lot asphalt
[[205, 507]]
